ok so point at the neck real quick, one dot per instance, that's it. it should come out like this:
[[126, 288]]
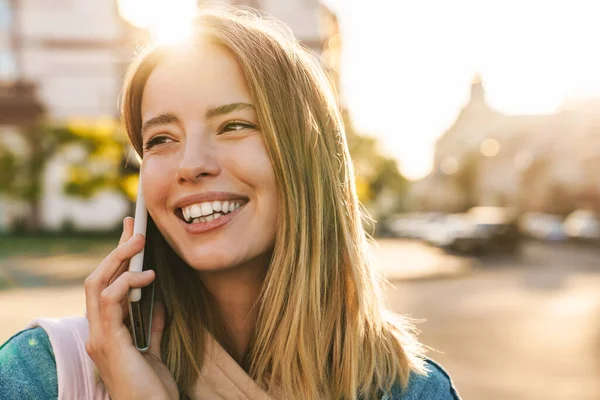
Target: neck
[[235, 292]]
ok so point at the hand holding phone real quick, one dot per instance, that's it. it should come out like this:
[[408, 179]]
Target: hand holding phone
[[125, 366]]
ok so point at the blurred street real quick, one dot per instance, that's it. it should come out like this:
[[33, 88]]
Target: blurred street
[[526, 329], [518, 328]]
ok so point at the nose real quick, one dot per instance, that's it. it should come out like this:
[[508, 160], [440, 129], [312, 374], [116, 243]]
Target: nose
[[199, 160]]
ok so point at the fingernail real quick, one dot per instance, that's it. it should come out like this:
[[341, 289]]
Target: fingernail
[[148, 272]]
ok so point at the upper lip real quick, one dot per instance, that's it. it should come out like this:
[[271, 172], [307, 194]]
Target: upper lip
[[207, 196]]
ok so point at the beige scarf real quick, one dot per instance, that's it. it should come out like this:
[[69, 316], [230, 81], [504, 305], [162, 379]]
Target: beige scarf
[[221, 377]]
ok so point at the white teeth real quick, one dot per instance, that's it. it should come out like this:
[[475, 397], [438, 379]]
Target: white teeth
[[207, 219], [195, 211], [206, 208]]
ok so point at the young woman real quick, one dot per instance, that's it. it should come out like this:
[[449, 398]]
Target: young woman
[[256, 239]]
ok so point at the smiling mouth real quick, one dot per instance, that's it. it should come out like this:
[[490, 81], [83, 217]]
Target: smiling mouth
[[208, 211]]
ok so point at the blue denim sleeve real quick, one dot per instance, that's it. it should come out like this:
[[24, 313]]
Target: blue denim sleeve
[[436, 385], [28, 367]]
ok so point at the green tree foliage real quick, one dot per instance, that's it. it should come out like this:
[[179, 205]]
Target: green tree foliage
[[102, 163], [8, 168], [22, 169], [95, 153]]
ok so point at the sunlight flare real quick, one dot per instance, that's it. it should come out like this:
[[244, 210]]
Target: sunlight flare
[[167, 21]]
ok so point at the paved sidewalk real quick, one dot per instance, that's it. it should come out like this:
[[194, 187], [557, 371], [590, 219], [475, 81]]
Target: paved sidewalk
[[52, 286], [402, 260], [397, 259], [19, 306], [47, 270]]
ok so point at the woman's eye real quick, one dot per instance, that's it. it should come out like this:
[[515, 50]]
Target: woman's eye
[[156, 140], [235, 126]]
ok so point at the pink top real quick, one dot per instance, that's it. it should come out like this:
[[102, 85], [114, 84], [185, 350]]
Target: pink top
[[221, 378]]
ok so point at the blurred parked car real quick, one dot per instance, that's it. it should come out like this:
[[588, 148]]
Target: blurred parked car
[[455, 232], [542, 226], [498, 228], [480, 230], [583, 225], [411, 225]]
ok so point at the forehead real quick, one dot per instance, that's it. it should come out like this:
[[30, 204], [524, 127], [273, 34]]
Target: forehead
[[193, 79]]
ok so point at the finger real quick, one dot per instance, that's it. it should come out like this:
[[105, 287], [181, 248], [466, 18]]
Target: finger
[[127, 233], [114, 261], [158, 327], [122, 268], [111, 298], [98, 280], [122, 238], [128, 224], [125, 236], [127, 230]]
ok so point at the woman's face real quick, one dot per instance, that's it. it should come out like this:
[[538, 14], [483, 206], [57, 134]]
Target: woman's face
[[207, 178]]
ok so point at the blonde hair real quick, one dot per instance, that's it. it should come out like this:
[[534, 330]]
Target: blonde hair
[[322, 329]]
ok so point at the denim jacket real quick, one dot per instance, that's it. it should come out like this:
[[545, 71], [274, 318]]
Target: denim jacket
[[437, 385], [28, 371]]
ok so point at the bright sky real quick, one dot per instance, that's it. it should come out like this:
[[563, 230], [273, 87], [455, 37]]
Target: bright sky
[[407, 65]]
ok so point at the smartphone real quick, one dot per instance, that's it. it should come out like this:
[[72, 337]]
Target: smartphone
[[141, 300]]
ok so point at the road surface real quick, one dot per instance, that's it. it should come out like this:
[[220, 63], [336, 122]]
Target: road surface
[[526, 328]]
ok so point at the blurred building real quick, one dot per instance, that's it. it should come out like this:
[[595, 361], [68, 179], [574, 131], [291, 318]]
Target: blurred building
[[70, 56], [18, 97], [302, 16], [67, 58], [532, 162]]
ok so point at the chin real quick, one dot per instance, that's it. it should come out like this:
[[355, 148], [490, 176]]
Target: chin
[[211, 260]]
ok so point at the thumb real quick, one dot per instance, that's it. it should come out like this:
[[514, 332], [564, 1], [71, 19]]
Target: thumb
[[158, 327]]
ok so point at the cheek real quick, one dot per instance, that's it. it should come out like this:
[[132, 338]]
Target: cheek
[[157, 175], [251, 163]]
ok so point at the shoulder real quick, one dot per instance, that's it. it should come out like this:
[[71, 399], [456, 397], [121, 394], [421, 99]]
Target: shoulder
[[436, 385], [28, 366]]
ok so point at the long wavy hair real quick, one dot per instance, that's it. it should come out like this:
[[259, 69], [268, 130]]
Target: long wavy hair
[[323, 329]]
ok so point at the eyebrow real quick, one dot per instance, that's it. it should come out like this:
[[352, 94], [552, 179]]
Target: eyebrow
[[161, 119], [168, 118], [228, 108]]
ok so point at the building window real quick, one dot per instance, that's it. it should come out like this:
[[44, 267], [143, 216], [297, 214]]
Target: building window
[[5, 16], [8, 65]]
